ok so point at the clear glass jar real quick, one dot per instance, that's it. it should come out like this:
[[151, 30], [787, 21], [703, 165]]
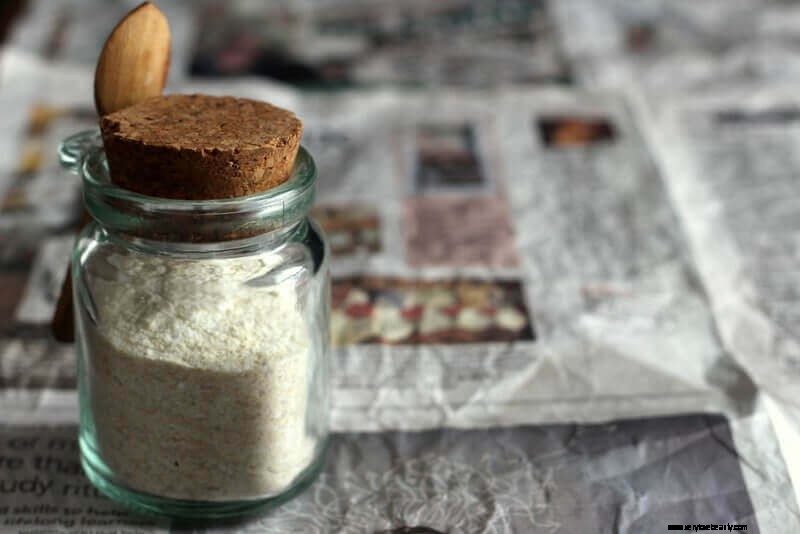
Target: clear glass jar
[[202, 340]]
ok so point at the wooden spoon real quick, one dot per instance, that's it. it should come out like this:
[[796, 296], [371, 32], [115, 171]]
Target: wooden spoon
[[132, 67], [134, 62]]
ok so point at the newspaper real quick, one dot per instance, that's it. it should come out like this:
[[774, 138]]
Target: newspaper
[[327, 44], [680, 44], [531, 331], [73, 31], [731, 156], [593, 206], [544, 478]]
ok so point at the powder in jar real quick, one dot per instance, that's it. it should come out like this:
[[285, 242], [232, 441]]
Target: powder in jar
[[199, 382]]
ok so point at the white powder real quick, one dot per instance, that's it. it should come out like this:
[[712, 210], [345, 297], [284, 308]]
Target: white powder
[[199, 382]]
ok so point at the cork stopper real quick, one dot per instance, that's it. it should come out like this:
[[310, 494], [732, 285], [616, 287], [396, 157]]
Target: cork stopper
[[200, 147]]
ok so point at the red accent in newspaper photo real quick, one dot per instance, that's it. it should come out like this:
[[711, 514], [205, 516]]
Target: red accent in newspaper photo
[[575, 131], [400, 311], [641, 37], [350, 228]]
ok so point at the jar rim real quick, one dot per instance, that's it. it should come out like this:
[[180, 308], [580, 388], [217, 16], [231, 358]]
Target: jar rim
[[121, 209]]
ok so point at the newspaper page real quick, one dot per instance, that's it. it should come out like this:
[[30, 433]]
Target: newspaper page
[[521, 340], [596, 243], [731, 155], [581, 238], [680, 44], [73, 31], [325, 44], [347, 43]]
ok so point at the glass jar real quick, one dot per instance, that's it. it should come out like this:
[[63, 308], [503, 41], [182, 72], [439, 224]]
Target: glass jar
[[202, 340]]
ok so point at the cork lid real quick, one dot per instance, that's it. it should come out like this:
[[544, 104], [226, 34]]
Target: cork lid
[[200, 147]]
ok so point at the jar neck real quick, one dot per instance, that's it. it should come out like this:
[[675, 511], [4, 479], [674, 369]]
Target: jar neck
[[261, 242], [273, 216]]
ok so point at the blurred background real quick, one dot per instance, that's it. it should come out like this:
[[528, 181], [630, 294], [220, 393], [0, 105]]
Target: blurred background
[[565, 240]]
